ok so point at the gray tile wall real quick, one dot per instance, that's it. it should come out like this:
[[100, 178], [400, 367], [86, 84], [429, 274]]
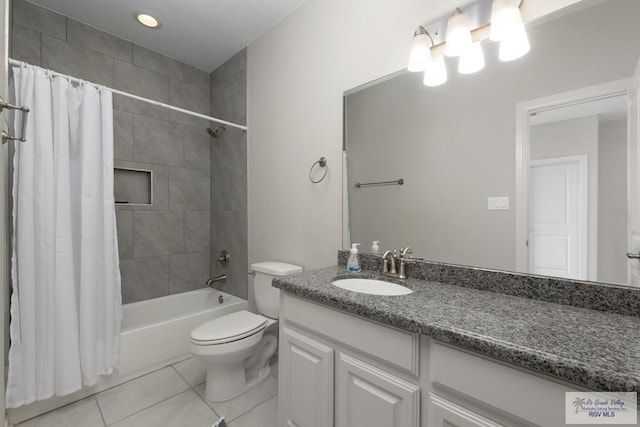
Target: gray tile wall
[[229, 173], [164, 248]]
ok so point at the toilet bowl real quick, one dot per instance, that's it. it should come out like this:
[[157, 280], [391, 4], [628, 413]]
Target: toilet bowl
[[235, 348]]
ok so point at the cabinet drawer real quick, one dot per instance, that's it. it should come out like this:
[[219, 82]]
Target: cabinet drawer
[[391, 345], [444, 413], [477, 377]]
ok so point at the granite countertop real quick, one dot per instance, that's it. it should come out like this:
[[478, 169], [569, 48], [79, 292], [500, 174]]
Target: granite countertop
[[590, 348]]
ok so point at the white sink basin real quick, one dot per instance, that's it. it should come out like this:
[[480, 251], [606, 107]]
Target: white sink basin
[[371, 286]]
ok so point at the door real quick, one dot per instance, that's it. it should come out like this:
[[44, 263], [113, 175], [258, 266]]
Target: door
[[633, 186], [558, 217], [306, 381], [367, 396]]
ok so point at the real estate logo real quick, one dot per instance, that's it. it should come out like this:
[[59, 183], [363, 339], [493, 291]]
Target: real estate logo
[[601, 408]]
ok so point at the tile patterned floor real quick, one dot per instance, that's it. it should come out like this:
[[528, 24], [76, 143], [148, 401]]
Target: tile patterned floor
[[169, 397]]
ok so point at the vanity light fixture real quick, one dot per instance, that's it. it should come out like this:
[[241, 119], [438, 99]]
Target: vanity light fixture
[[436, 72], [420, 50], [504, 15], [506, 27], [514, 46], [146, 19], [458, 34], [421, 59], [471, 60]]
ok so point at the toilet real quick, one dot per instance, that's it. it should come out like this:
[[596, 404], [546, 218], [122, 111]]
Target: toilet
[[234, 348]]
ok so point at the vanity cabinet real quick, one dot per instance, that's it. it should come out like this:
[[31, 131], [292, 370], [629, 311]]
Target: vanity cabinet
[[338, 369], [306, 378], [368, 396], [344, 371]]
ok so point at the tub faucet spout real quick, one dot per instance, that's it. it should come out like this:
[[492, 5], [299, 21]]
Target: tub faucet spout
[[211, 282]]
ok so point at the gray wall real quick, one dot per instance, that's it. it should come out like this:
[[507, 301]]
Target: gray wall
[[229, 173], [166, 248], [612, 206], [454, 144]]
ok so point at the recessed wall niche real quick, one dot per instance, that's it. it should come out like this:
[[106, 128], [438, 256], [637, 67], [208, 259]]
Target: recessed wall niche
[[133, 187]]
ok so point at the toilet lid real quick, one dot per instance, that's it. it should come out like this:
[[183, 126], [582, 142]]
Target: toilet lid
[[230, 327]]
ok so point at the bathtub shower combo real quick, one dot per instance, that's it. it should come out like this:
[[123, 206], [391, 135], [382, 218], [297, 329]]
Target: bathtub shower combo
[[215, 327], [91, 340]]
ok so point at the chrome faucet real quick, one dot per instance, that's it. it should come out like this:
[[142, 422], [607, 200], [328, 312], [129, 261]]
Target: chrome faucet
[[211, 282], [389, 266], [406, 251], [403, 255]]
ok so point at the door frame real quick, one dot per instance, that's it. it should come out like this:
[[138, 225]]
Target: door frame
[[523, 144], [583, 201], [5, 215], [632, 143]]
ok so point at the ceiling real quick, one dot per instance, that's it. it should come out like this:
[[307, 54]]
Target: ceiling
[[202, 33]]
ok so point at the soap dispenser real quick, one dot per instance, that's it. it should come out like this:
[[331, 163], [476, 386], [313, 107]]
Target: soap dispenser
[[353, 265], [375, 247]]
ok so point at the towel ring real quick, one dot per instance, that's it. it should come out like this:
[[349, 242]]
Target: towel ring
[[322, 162]]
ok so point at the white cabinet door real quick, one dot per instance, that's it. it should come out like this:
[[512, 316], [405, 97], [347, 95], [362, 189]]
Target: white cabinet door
[[444, 413], [367, 396], [306, 381]]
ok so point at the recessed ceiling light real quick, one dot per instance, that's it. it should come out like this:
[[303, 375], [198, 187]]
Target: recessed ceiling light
[[146, 19]]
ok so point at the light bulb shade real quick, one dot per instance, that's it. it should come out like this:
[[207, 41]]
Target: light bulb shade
[[436, 72], [515, 45], [420, 52], [505, 17], [471, 60], [458, 35]]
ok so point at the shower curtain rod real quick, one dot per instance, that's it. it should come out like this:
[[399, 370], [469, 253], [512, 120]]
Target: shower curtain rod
[[136, 97]]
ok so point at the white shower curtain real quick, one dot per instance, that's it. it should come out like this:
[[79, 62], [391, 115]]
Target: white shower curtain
[[66, 304]]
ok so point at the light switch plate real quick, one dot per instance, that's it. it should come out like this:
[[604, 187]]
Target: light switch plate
[[498, 203]]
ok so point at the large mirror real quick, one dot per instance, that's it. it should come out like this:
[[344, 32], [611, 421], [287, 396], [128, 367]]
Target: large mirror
[[544, 192]]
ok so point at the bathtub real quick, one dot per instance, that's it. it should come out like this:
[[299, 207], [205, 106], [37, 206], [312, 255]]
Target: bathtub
[[155, 333]]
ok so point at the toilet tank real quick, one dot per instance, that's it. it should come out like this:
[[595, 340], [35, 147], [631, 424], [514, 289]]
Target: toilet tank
[[268, 297]]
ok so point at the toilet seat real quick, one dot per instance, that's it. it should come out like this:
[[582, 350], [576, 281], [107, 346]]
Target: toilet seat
[[228, 328]]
